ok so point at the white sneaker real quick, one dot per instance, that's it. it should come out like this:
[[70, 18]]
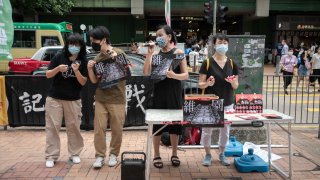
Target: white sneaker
[[112, 160], [49, 163], [99, 162], [75, 159]]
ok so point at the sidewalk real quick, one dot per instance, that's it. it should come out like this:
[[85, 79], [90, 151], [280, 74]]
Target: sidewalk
[[22, 157]]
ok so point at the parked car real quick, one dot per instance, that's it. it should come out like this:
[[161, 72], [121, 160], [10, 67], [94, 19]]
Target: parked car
[[38, 62]]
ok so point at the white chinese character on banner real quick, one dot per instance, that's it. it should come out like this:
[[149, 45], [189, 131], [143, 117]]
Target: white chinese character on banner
[[132, 91], [188, 106], [36, 99], [25, 98]]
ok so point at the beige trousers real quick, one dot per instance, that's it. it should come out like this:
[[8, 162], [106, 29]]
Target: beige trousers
[[115, 114], [71, 111]]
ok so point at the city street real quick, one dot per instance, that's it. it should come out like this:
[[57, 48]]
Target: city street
[[87, 61], [22, 156]]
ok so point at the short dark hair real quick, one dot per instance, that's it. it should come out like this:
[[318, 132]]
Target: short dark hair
[[75, 38], [220, 37], [99, 33], [167, 29], [316, 50]]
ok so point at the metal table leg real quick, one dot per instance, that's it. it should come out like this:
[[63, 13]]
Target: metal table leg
[[148, 153], [269, 145], [290, 150]]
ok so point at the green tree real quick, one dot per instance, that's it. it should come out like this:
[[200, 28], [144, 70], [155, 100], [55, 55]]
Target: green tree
[[31, 7]]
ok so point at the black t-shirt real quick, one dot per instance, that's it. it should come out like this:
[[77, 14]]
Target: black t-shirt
[[221, 87], [65, 85]]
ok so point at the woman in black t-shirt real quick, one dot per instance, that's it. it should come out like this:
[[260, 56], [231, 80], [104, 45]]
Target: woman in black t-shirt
[[69, 73], [220, 77], [168, 89]]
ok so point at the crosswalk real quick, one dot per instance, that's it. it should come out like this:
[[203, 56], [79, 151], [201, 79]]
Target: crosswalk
[[307, 99]]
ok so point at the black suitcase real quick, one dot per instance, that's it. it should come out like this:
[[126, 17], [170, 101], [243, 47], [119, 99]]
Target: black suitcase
[[133, 168]]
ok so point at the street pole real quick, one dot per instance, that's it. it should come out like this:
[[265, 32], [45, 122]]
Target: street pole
[[214, 32]]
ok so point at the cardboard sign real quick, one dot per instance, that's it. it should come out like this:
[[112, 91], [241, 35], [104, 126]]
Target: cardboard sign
[[111, 71], [160, 66], [249, 103], [203, 110]]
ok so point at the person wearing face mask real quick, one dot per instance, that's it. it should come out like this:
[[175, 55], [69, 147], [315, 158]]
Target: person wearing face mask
[[167, 93], [315, 61], [69, 73], [287, 64], [215, 79], [110, 102]]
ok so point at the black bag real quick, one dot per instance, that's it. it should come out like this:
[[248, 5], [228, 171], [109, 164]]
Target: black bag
[[165, 139]]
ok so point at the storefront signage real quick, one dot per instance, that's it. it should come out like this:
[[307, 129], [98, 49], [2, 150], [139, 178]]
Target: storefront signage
[[301, 26]]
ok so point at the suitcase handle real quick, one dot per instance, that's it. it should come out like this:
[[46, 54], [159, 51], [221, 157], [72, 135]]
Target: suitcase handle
[[131, 152]]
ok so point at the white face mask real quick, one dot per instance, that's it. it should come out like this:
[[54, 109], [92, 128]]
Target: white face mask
[[290, 53], [222, 48]]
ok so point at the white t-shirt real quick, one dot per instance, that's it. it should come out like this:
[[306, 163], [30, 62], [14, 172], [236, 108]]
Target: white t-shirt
[[193, 55], [315, 61]]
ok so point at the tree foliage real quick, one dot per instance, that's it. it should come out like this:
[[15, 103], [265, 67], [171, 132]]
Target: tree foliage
[[29, 7]]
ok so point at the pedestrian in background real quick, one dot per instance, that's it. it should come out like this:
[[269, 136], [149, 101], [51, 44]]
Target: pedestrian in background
[[285, 48], [167, 93], [109, 102], [213, 79], [315, 61], [303, 67], [69, 73], [287, 64]]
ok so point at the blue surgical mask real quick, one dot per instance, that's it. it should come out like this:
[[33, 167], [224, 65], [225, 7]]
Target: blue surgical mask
[[222, 48], [74, 49], [161, 42]]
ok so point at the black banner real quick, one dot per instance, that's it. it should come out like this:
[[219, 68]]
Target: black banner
[[26, 99]]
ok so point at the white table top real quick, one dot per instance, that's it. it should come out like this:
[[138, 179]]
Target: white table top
[[160, 116], [234, 119]]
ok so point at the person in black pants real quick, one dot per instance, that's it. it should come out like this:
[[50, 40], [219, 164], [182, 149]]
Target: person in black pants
[[287, 64]]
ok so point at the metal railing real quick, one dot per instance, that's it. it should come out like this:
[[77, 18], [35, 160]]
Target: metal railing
[[303, 103]]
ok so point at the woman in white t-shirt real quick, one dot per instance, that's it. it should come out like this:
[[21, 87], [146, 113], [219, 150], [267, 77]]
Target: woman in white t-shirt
[[316, 66]]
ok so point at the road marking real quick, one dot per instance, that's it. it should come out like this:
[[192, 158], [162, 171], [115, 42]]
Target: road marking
[[313, 109], [292, 91], [305, 101], [294, 95], [305, 126]]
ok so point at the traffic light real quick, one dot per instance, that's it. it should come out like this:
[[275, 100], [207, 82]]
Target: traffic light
[[208, 11], [221, 14]]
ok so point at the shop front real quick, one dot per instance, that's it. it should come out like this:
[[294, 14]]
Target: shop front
[[298, 29]]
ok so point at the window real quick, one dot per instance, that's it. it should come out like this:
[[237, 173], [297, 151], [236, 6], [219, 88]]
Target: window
[[50, 41], [24, 39], [49, 54]]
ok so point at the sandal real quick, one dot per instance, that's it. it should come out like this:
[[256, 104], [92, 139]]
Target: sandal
[[175, 161], [157, 162]]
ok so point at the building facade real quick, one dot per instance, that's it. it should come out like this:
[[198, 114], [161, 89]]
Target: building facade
[[134, 20]]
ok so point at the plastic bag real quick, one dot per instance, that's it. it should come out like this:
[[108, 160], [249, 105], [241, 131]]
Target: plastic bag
[[259, 152]]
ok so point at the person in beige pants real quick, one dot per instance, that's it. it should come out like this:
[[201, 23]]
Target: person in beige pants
[[69, 72], [110, 99]]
